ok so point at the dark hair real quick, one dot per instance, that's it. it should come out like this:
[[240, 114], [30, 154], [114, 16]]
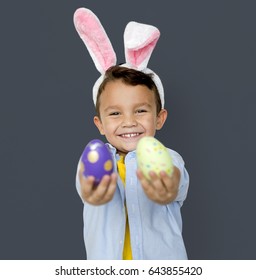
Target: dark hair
[[130, 77]]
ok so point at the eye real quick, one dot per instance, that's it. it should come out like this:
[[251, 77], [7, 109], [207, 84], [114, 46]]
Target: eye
[[114, 114], [140, 111]]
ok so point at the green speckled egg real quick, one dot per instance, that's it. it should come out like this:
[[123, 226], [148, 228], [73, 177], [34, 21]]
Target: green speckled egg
[[152, 155]]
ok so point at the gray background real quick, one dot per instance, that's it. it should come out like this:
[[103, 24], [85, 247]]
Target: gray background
[[206, 57]]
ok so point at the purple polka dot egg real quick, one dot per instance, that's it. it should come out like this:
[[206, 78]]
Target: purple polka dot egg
[[97, 160], [152, 155]]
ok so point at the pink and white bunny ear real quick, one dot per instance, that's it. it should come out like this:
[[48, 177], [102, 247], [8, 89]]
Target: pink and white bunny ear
[[139, 42], [95, 38]]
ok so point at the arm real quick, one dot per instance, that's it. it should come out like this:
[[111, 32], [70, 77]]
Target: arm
[[162, 189], [165, 189], [98, 195]]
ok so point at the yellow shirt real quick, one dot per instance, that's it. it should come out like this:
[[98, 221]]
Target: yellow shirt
[[127, 251]]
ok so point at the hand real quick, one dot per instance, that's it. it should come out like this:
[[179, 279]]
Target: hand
[[161, 189], [100, 194]]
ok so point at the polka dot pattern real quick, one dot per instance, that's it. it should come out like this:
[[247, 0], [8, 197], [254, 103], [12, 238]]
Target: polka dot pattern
[[93, 156], [152, 155], [97, 160]]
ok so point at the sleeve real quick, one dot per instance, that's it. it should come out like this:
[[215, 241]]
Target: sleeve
[[78, 186], [184, 178]]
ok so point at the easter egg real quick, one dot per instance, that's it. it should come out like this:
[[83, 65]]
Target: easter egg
[[97, 160], [152, 155]]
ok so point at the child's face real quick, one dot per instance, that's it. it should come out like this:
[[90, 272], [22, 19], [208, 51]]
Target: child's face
[[127, 113]]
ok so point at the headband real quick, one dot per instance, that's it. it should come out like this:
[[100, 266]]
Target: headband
[[139, 43]]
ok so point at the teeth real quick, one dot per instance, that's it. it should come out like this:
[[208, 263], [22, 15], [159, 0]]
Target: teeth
[[129, 135]]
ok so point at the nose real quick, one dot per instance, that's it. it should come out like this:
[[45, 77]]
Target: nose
[[129, 121]]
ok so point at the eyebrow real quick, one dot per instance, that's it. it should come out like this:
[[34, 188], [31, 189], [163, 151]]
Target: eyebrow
[[144, 104], [109, 108], [116, 107]]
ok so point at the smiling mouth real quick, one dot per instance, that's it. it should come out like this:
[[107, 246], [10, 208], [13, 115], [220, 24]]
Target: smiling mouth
[[130, 135]]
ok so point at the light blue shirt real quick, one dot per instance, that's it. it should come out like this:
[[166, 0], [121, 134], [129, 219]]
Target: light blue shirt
[[156, 230]]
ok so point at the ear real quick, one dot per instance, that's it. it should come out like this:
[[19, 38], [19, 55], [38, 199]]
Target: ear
[[139, 41], [99, 125], [161, 118], [95, 38]]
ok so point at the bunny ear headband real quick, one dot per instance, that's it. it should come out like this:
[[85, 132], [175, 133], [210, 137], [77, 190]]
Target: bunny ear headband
[[139, 43]]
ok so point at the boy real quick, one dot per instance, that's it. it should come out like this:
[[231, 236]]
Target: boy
[[127, 216]]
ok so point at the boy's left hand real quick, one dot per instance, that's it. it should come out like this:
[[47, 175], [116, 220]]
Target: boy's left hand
[[162, 189]]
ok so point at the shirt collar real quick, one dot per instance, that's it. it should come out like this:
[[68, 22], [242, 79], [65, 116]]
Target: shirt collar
[[114, 153]]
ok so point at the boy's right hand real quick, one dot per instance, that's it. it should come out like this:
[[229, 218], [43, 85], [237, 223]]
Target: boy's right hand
[[100, 194]]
